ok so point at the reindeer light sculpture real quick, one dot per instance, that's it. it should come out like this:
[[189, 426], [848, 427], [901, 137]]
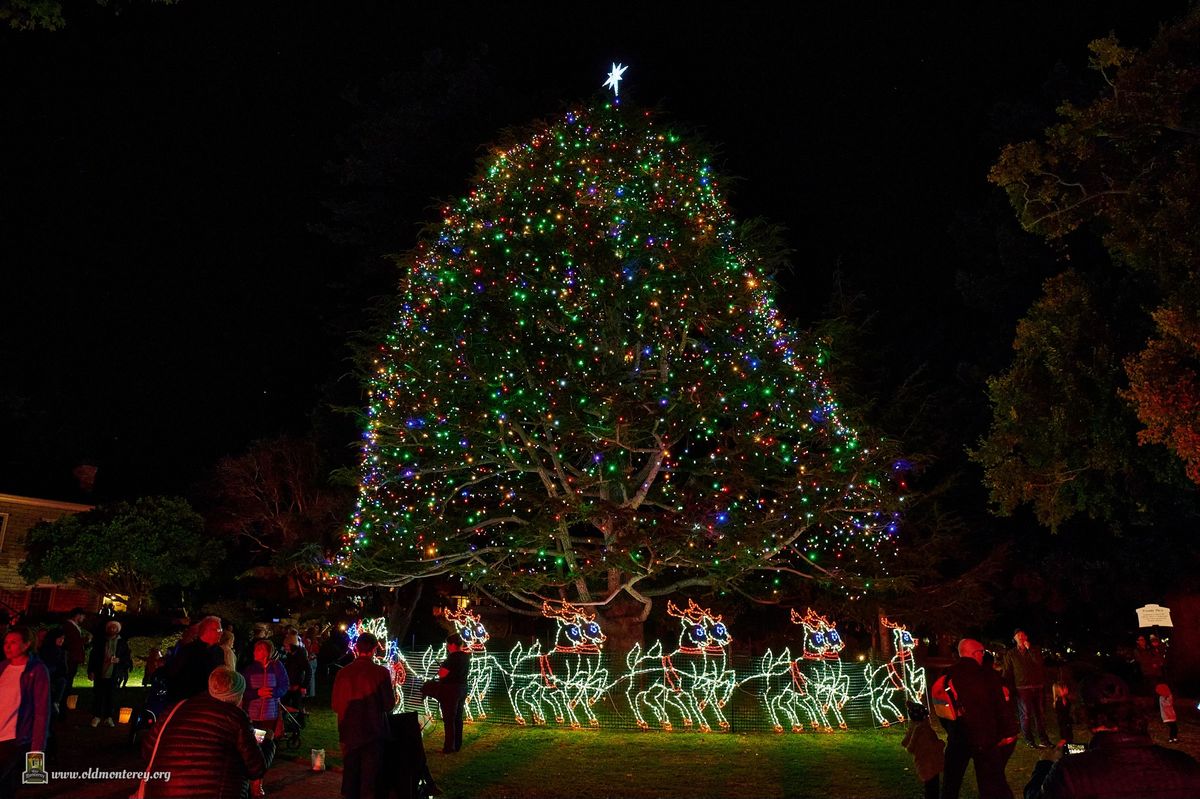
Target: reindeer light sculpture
[[568, 678], [899, 675], [693, 682], [828, 683], [390, 656], [474, 635]]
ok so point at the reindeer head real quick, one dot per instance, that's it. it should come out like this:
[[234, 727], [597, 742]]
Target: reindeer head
[[578, 630], [701, 632], [902, 640], [470, 628], [821, 638]]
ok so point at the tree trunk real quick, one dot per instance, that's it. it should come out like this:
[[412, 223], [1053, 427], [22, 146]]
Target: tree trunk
[[622, 624], [403, 607]]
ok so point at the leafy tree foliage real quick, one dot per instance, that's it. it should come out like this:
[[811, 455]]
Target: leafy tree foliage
[[1165, 385], [1125, 166], [1060, 438], [277, 502], [33, 15], [587, 389], [125, 549]]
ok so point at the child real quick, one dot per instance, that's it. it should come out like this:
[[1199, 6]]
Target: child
[[1166, 709], [1062, 712]]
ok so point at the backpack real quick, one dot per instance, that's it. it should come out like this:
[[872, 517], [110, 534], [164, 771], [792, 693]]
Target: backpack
[[944, 699]]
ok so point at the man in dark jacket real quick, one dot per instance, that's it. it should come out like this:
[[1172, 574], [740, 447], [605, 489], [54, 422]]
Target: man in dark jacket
[[984, 731], [453, 674], [363, 697], [208, 746], [76, 643], [187, 671], [1120, 762], [1024, 665]]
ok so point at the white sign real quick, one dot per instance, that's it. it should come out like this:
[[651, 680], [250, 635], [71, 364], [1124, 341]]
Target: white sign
[[1154, 616]]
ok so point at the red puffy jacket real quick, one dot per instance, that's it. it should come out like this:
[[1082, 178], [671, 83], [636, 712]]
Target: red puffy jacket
[[209, 750]]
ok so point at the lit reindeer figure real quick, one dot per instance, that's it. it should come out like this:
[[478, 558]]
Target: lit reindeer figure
[[792, 695], [388, 655], [829, 685], [899, 675], [565, 679], [474, 635], [694, 681]]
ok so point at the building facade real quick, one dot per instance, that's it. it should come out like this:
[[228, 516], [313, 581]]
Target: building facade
[[17, 516]]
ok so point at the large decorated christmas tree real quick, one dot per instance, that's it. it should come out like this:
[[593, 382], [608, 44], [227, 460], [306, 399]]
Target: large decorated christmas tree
[[587, 391]]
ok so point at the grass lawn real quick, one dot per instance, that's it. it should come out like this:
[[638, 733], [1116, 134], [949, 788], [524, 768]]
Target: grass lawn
[[504, 760]]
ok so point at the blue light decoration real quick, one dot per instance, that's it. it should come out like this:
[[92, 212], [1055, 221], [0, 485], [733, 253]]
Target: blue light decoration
[[568, 679], [693, 686], [900, 675], [693, 682], [388, 654]]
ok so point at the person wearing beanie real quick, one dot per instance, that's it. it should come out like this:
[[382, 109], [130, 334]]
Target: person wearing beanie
[[208, 745]]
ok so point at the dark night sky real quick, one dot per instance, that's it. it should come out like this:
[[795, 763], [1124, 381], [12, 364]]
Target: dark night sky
[[166, 299]]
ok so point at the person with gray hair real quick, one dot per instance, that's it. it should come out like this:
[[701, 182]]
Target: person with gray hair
[[207, 745], [188, 669]]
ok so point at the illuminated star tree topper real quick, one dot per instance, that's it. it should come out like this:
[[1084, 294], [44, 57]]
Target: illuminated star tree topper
[[614, 78]]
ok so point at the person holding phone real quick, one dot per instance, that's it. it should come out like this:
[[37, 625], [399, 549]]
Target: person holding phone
[[207, 744], [1120, 760]]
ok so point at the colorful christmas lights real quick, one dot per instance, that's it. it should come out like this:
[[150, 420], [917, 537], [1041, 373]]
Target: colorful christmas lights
[[587, 380]]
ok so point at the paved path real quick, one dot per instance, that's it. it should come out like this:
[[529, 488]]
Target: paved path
[[81, 747]]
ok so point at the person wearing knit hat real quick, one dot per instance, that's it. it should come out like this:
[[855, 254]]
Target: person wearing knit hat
[[207, 744], [226, 685]]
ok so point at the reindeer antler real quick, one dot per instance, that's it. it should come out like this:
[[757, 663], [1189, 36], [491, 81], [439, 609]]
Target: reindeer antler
[[566, 611], [464, 615], [811, 619], [694, 612]]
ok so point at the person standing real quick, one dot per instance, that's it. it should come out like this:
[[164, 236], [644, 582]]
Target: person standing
[[24, 707], [453, 674], [206, 744], [76, 643], [109, 662], [984, 730], [363, 697], [188, 669], [53, 654], [1023, 664], [295, 661], [266, 683], [226, 643], [1166, 710]]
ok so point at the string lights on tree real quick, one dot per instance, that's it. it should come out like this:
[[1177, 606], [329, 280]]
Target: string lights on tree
[[587, 390]]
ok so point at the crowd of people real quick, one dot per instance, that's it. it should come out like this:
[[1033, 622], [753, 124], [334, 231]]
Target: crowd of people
[[224, 707], [986, 704]]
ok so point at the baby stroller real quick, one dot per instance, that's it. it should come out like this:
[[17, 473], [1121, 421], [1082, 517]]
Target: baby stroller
[[151, 710], [295, 719]]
